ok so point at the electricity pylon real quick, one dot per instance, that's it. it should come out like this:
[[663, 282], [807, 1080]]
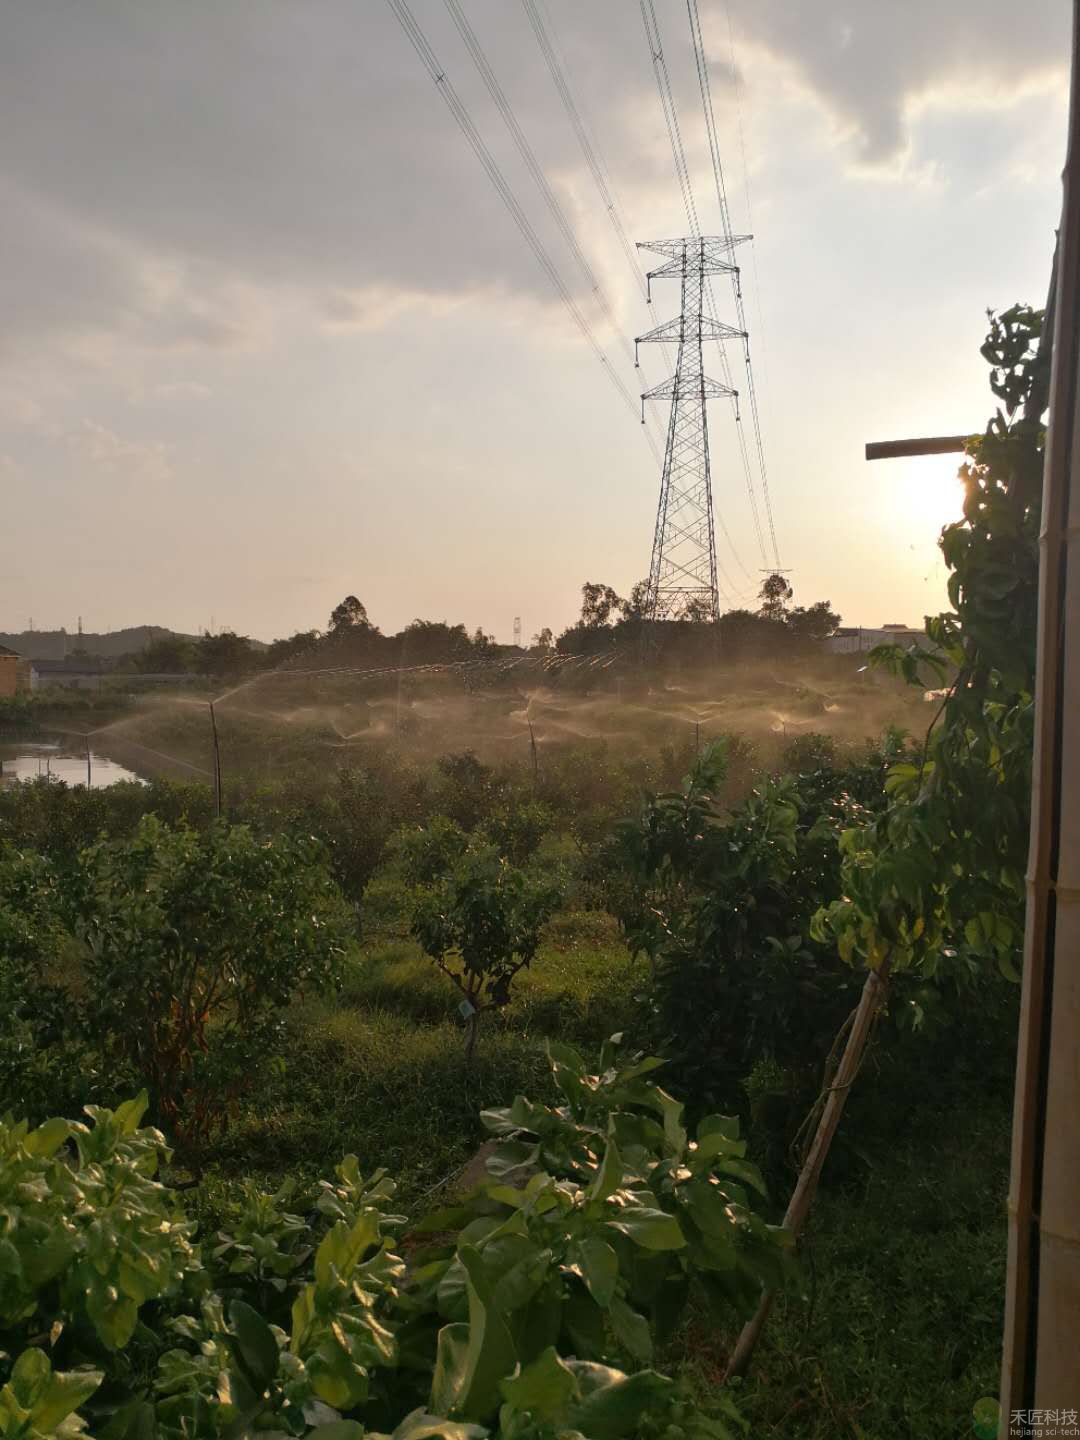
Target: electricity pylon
[[682, 575]]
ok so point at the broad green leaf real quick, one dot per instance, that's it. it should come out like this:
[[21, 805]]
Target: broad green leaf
[[63, 1396], [542, 1388], [651, 1229], [303, 1317], [512, 1155], [609, 1175], [30, 1376], [568, 1070], [716, 1144], [612, 1410], [451, 1217], [631, 1330], [490, 1352], [452, 1292], [342, 1247], [335, 1375], [743, 1170], [128, 1116], [708, 1207], [114, 1315], [1007, 968], [726, 1125], [255, 1343], [449, 1377], [599, 1268], [517, 1286], [48, 1137]]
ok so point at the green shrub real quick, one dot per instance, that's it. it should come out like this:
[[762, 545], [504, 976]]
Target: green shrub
[[35, 1008], [193, 946], [721, 904]]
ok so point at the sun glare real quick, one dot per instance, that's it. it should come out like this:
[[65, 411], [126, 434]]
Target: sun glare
[[924, 495]]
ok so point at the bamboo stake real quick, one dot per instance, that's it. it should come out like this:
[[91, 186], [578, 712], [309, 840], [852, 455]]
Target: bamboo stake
[[873, 993], [1042, 1297]]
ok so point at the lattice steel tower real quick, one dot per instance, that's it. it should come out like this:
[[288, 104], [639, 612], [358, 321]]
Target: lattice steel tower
[[682, 576]]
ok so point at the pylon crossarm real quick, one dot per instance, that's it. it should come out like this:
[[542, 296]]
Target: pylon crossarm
[[708, 244], [671, 331], [709, 265], [711, 389]]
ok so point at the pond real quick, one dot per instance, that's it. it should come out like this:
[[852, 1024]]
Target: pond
[[58, 759]]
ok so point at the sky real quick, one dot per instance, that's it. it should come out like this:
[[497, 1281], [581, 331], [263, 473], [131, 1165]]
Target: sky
[[268, 336]]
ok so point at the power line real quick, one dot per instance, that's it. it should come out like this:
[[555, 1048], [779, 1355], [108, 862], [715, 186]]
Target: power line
[[671, 115], [503, 189], [535, 169], [721, 195], [595, 165], [544, 31]]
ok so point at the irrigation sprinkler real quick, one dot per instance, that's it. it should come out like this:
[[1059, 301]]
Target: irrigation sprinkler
[[535, 757], [217, 763]]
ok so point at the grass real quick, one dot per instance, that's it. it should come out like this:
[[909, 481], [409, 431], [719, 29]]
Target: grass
[[380, 1070], [900, 1333]]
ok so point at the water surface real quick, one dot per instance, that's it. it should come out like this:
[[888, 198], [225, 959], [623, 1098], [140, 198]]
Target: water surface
[[58, 760]]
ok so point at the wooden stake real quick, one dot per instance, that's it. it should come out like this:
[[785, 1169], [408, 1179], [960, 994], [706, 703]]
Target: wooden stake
[[535, 757], [88, 764], [873, 994]]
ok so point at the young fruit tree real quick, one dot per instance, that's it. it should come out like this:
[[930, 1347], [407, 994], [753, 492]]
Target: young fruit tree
[[481, 925]]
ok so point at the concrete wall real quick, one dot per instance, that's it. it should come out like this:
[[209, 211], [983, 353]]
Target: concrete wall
[[65, 679]]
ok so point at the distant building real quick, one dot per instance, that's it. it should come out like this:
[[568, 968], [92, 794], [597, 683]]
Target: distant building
[[9, 672], [852, 639], [86, 673]]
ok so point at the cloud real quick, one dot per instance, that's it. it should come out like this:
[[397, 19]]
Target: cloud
[[872, 63], [182, 390], [373, 307], [112, 456]]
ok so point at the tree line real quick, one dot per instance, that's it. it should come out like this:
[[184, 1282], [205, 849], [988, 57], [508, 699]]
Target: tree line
[[606, 620]]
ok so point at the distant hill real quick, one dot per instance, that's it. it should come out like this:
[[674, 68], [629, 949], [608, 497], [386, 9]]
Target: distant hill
[[58, 644]]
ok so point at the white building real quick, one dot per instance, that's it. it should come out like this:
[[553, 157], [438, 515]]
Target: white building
[[852, 639]]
